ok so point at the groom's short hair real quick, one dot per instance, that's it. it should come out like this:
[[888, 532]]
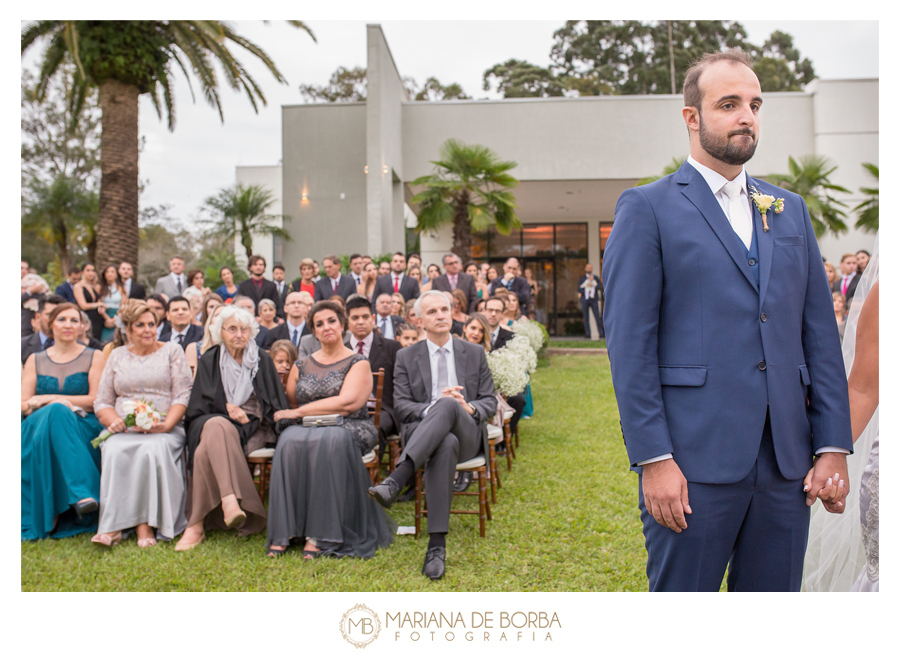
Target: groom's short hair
[[693, 97]]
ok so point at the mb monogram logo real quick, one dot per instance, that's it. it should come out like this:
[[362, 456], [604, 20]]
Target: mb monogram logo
[[360, 626]]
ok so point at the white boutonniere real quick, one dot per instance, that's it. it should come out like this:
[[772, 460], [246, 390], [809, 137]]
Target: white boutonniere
[[764, 202]]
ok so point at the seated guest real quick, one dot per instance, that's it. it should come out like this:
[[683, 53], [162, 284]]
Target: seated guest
[[194, 351], [295, 327], [181, 330], [337, 299], [477, 330], [407, 335], [513, 310], [481, 286], [415, 272], [840, 315], [195, 299], [397, 280], [386, 321], [433, 273], [480, 306], [196, 281], [229, 415], [66, 288], [33, 289], [211, 301], [132, 289], [494, 311], [60, 468], [283, 354], [384, 268], [161, 305], [380, 352], [305, 283], [244, 302], [318, 483], [397, 304], [142, 473], [228, 289], [41, 338], [112, 296], [513, 282], [268, 314], [369, 276], [84, 336], [87, 296], [119, 336], [334, 283], [412, 320], [459, 305], [444, 408]]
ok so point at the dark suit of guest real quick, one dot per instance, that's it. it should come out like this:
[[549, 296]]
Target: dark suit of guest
[[503, 337], [65, 290], [137, 291], [258, 292], [838, 286], [325, 288], [591, 305], [27, 315], [283, 332], [392, 322], [456, 328], [384, 285], [464, 282], [518, 285], [32, 345], [193, 334], [517, 402], [279, 300], [440, 437], [382, 354]]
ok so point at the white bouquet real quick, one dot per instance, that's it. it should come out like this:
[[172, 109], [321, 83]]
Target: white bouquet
[[525, 327], [521, 347], [137, 412], [507, 372]]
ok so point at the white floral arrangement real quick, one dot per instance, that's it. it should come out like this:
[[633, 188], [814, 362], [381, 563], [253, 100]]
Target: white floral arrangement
[[521, 347], [531, 330], [506, 370], [137, 412]]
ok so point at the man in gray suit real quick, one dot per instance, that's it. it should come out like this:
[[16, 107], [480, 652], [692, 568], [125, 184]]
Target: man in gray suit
[[454, 278], [444, 397], [172, 284]]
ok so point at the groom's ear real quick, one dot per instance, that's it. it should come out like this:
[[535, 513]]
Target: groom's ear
[[691, 118]]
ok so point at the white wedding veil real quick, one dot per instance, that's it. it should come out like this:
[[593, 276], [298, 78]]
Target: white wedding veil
[[835, 556]]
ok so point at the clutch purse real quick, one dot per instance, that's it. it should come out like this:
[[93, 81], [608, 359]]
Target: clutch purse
[[328, 420]]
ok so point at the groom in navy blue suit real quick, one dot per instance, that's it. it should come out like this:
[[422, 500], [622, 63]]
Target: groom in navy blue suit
[[725, 356]]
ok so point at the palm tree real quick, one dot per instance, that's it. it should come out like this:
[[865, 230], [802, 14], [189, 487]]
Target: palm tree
[[809, 179], [867, 219], [240, 212], [469, 188], [57, 210], [670, 168], [125, 59]]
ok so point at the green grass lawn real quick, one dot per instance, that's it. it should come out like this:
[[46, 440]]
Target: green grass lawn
[[566, 519], [577, 343]]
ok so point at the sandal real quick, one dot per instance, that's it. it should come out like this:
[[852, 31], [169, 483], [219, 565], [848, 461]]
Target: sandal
[[109, 539], [311, 555], [275, 553]]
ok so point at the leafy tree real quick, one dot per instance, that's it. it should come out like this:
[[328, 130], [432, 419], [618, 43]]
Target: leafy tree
[[241, 211], [161, 237], [469, 189], [670, 168], [54, 212], [519, 79], [125, 59], [344, 86], [433, 90], [810, 179], [778, 65], [867, 211], [213, 257]]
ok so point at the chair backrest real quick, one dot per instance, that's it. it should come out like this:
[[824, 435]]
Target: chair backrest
[[284, 379], [379, 391]]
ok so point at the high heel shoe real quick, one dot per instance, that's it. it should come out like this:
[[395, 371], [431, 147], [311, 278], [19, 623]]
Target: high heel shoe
[[182, 545], [109, 539], [146, 542], [86, 506]]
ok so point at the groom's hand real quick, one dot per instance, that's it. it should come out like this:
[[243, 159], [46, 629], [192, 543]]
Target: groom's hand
[[666, 494], [828, 480]]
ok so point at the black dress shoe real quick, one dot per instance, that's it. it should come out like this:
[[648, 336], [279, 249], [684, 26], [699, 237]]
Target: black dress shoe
[[385, 493], [463, 480], [86, 507], [434, 562], [407, 495]]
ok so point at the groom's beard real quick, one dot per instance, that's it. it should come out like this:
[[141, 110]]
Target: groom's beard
[[723, 149]]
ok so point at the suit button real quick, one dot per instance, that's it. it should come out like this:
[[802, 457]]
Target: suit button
[[763, 317], [752, 262], [762, 365]]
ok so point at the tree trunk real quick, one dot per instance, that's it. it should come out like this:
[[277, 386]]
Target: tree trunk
[[117, 222], [462, 228]]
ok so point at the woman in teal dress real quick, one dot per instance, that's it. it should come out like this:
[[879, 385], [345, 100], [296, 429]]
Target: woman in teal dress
[[60, 469], [112, 294]]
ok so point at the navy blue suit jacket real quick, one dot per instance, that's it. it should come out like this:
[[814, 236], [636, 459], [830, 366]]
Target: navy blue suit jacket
[[701, 347]]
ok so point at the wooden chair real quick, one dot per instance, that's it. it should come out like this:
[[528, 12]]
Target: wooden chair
[[478, 466], [393, 445], [494, 433], [370, 459]]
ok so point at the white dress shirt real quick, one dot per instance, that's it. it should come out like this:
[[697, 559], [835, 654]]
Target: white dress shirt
[[436, 392], [716, 184], [387, 327], [291, 328], [174, 337], [494, 334], [366, 342], [179, 278]]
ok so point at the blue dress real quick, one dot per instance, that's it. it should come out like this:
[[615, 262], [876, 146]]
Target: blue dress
[[59, 466], [222, 292]]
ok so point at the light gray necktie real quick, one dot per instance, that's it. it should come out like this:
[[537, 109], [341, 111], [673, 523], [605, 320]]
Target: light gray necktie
[[738, 213], [443, 380]]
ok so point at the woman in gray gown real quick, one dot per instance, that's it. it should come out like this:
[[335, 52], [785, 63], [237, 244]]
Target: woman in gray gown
[[318, 489], [142, 474]]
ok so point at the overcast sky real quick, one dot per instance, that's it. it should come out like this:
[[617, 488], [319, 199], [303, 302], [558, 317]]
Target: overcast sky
[[186, 166]]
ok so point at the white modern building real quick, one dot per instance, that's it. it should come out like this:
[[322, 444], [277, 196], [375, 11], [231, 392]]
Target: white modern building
[[346, 167]]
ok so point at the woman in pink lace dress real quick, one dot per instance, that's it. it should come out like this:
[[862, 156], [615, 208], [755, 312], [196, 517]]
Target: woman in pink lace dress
[[142, 483]]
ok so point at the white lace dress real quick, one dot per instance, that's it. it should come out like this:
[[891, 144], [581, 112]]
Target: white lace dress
[[868, 513]]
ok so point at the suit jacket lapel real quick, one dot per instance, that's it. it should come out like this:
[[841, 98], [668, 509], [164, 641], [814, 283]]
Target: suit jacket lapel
[[459, 359], [424, 361], [698, 192], [764, 241]]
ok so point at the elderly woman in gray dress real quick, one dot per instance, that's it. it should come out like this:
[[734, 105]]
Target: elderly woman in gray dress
[[319, 486], [236, 393], [142, 475]]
